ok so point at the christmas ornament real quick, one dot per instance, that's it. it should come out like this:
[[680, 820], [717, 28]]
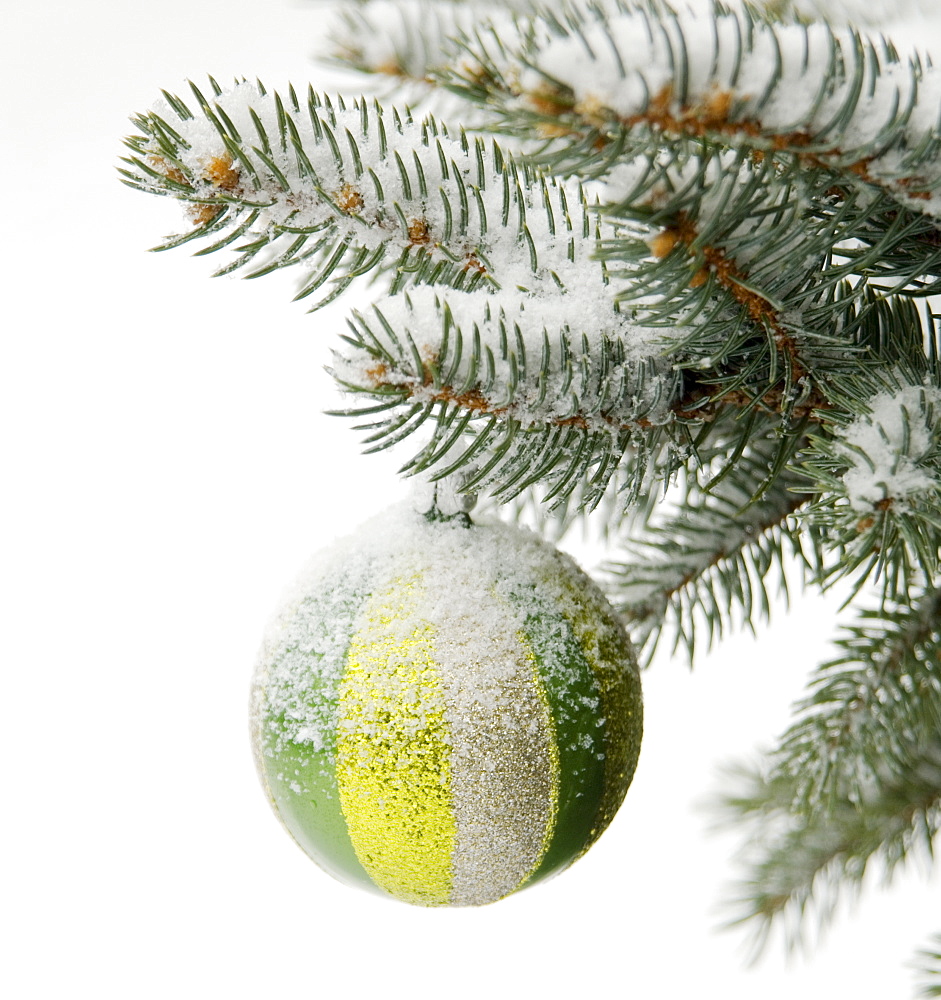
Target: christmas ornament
[[445, 711]]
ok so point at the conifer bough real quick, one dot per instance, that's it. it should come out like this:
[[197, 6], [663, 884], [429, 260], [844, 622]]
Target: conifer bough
[[670, 254]]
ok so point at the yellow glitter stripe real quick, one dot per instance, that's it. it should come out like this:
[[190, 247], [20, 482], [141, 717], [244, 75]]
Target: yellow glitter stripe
[[393, 752]]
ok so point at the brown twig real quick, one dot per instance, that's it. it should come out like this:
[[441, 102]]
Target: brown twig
[[713, 115], [732, 279], [696, 403]]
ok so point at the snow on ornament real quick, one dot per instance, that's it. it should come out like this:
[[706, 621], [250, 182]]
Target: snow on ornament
[[445, 711]]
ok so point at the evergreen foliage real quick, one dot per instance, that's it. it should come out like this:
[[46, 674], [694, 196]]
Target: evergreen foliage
[[673, 270], [929, 967]]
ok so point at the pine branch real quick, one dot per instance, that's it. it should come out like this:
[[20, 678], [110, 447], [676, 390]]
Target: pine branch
[[788, 232], [858, 774], [597, 515], [410, 40], [340, 192], [612, 71], [559, 388], [733, 246], [808, 863], [860, 715], [774, 224], [876, 471], [928, 965], [694, 571], [552, 389]]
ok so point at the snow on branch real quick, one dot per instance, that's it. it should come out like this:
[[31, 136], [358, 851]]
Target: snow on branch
[[528, 388], [830, 98], [339, 191], [876, 468], [411, 39], [893, 452]]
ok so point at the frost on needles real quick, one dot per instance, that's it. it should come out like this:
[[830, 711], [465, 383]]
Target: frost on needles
[[669, 269]]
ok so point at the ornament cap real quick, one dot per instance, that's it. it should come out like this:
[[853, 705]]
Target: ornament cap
[[444, 499]]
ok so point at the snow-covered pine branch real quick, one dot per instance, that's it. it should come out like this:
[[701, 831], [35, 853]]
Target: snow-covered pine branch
[[770, 211], [551, 388], [617, 69], [411, 39], [877, 476], [741, 227], [339, 191]]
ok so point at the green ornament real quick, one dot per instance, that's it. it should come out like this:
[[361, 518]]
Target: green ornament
[[446, 711]]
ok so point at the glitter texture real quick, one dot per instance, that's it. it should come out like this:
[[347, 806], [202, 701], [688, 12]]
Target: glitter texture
[[393, 765], [504, 759]]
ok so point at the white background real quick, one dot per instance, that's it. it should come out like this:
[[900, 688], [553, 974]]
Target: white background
[[167, 470]]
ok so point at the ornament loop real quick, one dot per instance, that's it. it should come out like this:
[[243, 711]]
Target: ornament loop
[[444, 499]]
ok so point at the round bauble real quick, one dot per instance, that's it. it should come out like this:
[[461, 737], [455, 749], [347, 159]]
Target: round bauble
[[445, 711]]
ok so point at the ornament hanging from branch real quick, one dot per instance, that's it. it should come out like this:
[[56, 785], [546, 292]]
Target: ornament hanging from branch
[[445, 711]]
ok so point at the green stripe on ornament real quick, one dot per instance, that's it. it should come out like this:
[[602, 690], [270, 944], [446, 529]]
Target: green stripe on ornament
[[304, 788], [299, 765], [575, 704], [613, 663]]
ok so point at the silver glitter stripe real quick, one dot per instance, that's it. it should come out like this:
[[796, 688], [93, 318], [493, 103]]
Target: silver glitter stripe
[[502, 766]]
